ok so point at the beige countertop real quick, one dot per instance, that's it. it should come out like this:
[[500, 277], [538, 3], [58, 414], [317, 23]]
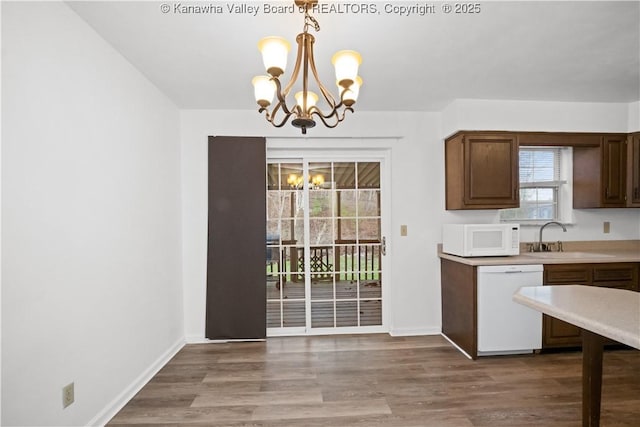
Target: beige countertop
[[612, 313], [601, 251]]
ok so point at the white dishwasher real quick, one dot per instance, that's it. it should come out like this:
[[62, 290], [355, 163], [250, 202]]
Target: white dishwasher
[[504, 326]]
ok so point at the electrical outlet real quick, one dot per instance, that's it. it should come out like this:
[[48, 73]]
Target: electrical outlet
[[403, 230], [606, 227], [67, 395]]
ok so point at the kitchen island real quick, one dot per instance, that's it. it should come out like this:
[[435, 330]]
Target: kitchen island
[[599, 312]]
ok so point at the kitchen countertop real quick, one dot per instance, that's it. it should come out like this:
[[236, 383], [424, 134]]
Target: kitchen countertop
[[612, 313], [582, 252]]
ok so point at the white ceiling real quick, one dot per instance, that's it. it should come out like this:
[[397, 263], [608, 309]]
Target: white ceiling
[[543, 50]]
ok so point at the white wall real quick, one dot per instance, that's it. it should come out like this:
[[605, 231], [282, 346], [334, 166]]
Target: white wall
[[91, 197], [417, 197], [483, 114], [91, 249], [634, 117], [417, 170]]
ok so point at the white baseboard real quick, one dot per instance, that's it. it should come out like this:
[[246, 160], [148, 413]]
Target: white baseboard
[[196, 339], [394, 332], [456, 346], [200, 340], [127, 394], [407, 332]]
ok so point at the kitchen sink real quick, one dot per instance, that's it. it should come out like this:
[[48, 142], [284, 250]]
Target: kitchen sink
[[566, 255]]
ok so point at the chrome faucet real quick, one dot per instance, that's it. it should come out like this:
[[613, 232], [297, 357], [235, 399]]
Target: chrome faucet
[[541, 247]]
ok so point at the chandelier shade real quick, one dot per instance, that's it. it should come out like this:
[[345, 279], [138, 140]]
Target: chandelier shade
[[274, 54], [308, 106], [346, 63], [306, 101], [264, 90]]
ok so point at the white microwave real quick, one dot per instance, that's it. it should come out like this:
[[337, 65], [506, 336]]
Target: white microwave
[[469, 240]]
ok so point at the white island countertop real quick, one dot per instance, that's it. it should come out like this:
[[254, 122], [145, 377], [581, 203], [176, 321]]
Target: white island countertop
[[612, 313]]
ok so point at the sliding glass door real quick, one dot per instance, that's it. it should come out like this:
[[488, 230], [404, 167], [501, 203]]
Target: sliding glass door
[[324, 246]]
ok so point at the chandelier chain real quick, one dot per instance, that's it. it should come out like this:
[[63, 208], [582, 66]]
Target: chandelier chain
[[310, 20]]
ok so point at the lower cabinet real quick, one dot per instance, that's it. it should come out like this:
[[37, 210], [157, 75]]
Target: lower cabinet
[[459, 305], [559, 334], [460, 309]]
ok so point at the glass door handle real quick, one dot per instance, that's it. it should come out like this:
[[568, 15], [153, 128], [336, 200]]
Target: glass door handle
[[383, 248]]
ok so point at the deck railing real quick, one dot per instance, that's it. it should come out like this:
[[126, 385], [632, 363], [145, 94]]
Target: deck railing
[[345, 260]]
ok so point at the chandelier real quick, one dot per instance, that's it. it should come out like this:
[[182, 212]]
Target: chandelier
[[296, 181], [274, 56]]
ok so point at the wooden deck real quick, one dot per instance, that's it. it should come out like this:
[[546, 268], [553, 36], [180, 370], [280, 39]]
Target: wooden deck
[[287, 303], [374, 381]]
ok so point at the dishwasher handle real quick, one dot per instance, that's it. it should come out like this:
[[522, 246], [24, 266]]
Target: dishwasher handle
[[513, 268]]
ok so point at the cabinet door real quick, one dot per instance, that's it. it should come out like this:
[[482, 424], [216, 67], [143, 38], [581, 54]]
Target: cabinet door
[[633, 170], [614, 164], [556, 333], [616, 275], [491, 171]]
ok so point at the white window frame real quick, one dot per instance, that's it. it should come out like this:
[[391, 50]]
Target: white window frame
[[562, 186], [279, 150]]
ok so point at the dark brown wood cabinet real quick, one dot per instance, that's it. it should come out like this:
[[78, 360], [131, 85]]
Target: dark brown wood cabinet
[[556, 333], [459, 305], [559, 334], [482, 170], [614, 170], [633, 170], [600, 174]]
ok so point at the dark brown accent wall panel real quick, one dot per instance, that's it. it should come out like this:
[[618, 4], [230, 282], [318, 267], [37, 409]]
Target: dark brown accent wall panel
[[236, 291]]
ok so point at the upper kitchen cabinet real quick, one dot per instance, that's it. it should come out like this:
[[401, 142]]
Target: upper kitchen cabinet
[[614, 170], [633, 169], [481, 170], [600, 174]]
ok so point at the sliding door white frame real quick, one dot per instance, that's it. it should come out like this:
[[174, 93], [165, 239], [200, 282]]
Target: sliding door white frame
[[312, 155]]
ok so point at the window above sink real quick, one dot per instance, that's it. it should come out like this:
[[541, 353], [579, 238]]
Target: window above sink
[[545, 186]]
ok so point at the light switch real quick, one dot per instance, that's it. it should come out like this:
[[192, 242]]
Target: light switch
[[403, 230]]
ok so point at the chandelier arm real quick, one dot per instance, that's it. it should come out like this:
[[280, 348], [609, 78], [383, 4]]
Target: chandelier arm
[[335, 114], [271, 118], [325, 122], [307, 44], [296, 69], [282, 102], [325, 93]]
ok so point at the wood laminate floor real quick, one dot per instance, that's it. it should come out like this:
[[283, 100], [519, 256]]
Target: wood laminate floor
[[376, 380]]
